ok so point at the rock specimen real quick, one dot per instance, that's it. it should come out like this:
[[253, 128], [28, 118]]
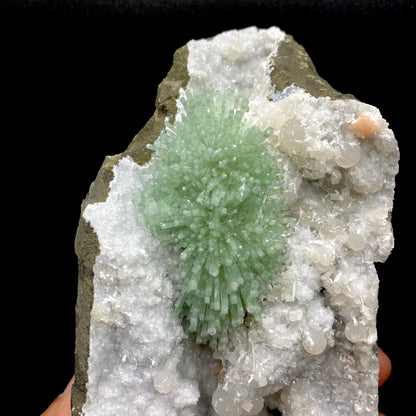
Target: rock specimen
[[222, 209], [314, 195]]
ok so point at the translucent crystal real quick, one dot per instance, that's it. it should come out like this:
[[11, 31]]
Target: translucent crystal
[[307, 342], [214, 196]]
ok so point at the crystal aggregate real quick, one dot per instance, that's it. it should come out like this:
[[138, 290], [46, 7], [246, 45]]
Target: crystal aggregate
[[215, 196], [313, 349]]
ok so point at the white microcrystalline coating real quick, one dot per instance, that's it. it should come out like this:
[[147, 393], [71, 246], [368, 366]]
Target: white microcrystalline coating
[[314, 352], [237, 58], [135, 345]]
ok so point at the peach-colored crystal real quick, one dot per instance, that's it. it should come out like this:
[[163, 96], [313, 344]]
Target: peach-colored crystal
[[364, 126]]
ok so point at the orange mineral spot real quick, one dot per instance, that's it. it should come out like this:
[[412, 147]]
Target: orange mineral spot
[[364, 126], [217, 369]]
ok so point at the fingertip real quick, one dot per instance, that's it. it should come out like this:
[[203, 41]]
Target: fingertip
[[69, 386], [385, 367], [61, 406]]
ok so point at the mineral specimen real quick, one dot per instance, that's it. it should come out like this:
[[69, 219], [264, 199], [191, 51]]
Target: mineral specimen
[[217, 201], [287, 171]]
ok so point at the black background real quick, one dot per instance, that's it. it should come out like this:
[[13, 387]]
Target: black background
[[79, 79]]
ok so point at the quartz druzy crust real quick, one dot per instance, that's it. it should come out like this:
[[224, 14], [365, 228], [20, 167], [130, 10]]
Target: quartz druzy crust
[[214, 195], [312, 349]]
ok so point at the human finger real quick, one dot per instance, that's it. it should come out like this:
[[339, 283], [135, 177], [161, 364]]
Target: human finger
[[385, 367], [61, 406]]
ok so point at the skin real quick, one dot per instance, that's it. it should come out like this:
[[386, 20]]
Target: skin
[[385, 369], [61, 406]]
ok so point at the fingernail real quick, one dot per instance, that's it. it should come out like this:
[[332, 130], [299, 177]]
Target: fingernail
[[69, 386]]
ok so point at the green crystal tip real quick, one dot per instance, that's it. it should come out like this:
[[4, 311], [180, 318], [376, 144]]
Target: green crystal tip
[[215, 196]]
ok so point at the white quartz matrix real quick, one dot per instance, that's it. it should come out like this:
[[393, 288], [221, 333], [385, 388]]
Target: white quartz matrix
[[314, 353]]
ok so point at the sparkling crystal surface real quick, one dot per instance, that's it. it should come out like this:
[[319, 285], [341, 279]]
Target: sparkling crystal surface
[[215, 196], [313, 349]]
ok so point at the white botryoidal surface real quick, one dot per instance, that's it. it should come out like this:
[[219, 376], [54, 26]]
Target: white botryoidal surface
[[314, 351]]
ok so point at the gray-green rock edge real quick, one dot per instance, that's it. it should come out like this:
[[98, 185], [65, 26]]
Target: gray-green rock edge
[[291, 66]]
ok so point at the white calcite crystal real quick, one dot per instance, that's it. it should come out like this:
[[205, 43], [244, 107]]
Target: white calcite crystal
[[136, 348], [314, 352]]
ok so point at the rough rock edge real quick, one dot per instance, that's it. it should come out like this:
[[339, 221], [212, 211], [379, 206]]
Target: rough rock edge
[[292, 65], [86, 241]]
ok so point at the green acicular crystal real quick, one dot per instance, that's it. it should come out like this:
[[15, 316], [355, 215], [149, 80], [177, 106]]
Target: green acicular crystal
[[215, 196]]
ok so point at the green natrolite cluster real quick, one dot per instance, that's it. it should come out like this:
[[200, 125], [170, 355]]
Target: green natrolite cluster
[[214, 195]]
